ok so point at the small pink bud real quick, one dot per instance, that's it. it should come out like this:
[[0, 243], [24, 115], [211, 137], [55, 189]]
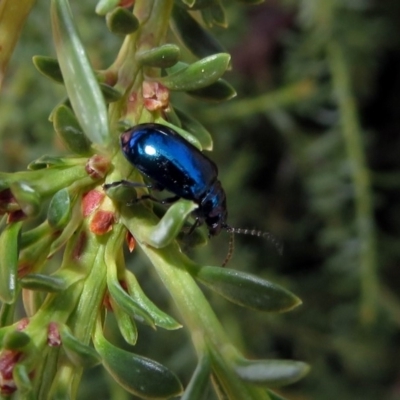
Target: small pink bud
[[155, 95], [131, 241], [90, 201], [97, 166], [53, 335], [22, 324], [8, 359], [102, 222]]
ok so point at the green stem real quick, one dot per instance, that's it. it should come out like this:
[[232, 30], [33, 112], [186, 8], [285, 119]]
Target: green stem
[[78, 305], [207, 333], [289, 95], [352, 134], [83, 321], [153, 16]]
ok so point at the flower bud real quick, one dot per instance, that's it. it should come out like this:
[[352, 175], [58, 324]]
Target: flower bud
[[97, 166]]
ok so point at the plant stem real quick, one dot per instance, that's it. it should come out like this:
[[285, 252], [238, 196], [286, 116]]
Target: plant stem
[[291, 94], [207, 333], [352, 134], [153, 16]]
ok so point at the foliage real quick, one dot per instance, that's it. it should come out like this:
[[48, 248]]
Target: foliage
[[307, 150], [61, 247]]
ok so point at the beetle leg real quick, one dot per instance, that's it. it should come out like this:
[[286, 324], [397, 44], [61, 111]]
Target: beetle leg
[[196, 224]]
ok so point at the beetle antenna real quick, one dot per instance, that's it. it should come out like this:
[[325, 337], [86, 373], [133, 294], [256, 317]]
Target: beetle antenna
[[253, 232], [231, 246]]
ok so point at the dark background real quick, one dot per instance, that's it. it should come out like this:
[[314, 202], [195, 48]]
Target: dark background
[[285, 167]]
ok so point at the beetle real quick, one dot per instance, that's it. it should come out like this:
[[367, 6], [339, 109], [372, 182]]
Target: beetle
[[174, 164]]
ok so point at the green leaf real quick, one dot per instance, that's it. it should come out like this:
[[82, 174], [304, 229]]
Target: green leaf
[[164, 56], [121, 21], [127, 303], [110, 93], [197, 238], [121, 193], [32, 300], [80, 354], [28, 199], [14, 340], [105, 6], [246, 290], [160, 318], [73, 224], [215, 15], [172, 117], [189, 3], [195, 4], [59, 211], [35, 234], [22, 380], [64, 102], [219, 91], [271, 372], [47, 161], [179, 66], [197, 129], [199, 380], [198, 75], [43, 283], [197, 39], [9, 249], [67, 127], [141, 376], [192, 139], [170, 224], [273, 396], [126, 326], [79, 79], [32, 258], [60, 389], [49, 67], [7, 314]]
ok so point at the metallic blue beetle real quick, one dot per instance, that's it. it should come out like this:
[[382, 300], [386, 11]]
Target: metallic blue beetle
[[174, 164]]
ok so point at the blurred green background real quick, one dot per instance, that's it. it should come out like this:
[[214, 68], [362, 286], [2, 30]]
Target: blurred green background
[[288, 148]]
